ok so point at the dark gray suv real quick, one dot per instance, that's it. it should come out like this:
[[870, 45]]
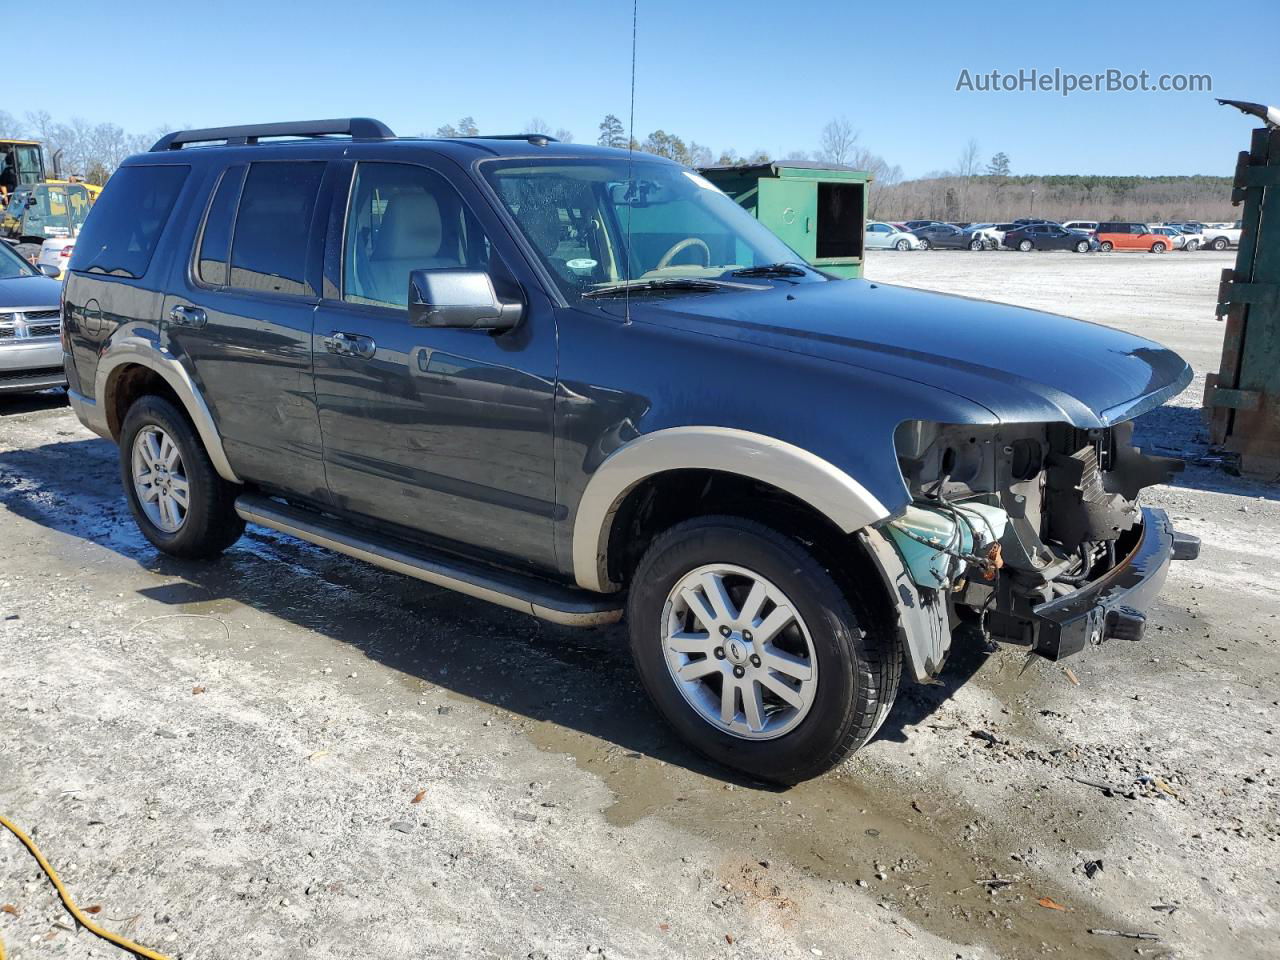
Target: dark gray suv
[[579, 382]]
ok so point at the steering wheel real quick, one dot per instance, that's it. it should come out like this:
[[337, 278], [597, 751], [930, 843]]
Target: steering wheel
[[684, 245]]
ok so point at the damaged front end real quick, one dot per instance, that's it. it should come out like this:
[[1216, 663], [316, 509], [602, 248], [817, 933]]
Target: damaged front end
[[1034, 530]]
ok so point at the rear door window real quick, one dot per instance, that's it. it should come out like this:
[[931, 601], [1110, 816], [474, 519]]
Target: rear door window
[[124, 227], [269, 245]]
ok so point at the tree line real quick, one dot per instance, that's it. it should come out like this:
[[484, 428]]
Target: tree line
[[973, 188]]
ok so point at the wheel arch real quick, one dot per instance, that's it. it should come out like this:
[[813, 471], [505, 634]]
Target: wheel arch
[[751, 457], [130, 367]]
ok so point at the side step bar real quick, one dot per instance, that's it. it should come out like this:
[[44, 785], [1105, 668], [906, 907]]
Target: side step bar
[[516, 591]]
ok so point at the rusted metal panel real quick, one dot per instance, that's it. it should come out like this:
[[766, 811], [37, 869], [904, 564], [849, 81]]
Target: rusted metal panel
[[1242, 400]]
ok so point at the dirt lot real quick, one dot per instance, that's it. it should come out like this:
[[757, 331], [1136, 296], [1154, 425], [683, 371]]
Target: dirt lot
[[226, 756]]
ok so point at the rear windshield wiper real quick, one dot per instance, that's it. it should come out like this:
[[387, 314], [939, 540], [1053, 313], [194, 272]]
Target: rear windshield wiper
[[773, 270], [663, 283]]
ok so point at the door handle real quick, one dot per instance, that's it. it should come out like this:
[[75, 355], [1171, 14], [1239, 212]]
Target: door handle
[[184, 316], [351, 345]]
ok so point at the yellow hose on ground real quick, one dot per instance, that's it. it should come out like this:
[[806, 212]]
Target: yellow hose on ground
[[70, 904]]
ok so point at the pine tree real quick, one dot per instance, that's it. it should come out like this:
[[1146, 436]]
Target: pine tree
[[611, 133]]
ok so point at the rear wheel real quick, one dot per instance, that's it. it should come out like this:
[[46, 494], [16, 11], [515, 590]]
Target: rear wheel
[[1158, 247], [754, 654], [1220, 243], [902, 245], [1026, 246], [178, 500], [976, 245], [924, 244], [1105, 246]]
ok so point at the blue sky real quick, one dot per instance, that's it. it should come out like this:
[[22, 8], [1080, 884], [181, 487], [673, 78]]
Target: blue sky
[[745, 75]]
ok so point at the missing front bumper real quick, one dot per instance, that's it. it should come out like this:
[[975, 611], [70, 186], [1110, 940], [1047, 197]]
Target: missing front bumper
[[1114, 605]]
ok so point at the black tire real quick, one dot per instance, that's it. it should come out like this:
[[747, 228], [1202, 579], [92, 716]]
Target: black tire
[[1082, 246], [976, 244], [859, 660], [1220, 243], [211, 523], [1158, 247], [1026, 246], [902, 245], [924, 244], [1105, 246]]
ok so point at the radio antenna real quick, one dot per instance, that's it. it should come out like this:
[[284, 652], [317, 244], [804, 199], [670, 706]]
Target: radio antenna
[[631, 149]]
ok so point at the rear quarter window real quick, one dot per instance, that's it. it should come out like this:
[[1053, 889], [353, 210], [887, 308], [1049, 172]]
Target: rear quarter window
[[123, 229]]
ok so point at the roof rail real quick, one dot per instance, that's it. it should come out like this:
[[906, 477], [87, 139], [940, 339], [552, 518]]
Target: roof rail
[[358, 128], [537, 139]]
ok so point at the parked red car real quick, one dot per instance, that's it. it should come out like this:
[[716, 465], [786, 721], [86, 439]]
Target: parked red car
[[1130, 236]]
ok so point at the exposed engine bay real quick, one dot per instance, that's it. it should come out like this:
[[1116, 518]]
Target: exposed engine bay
[[1017, 526]]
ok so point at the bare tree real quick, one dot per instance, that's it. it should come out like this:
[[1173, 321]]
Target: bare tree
[[838, 141], [969, 163], [563, 135], [537, 125]]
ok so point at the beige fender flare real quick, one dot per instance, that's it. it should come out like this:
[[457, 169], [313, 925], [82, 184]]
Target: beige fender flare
[[135, 350], [817, 482]]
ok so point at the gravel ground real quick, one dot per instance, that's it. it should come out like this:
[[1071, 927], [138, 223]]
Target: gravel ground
[[287, 753]]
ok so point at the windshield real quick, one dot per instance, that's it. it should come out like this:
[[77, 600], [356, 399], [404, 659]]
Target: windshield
[[13, 266], [594, 225]]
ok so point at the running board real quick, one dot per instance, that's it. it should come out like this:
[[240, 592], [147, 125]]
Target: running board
[[516, 591]]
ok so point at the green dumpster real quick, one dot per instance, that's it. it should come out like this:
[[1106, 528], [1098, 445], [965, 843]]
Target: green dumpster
[[818, 210]]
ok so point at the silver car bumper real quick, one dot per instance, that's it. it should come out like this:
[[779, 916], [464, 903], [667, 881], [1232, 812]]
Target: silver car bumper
[[34, 364]]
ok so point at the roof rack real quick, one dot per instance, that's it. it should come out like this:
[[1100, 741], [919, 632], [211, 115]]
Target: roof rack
[[358, 128], [537, 139]]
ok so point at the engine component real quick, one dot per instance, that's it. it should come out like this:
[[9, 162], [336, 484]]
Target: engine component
[[940, 542]]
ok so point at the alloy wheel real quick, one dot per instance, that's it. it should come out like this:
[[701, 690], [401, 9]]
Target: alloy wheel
[[739, 652], [159, 479]]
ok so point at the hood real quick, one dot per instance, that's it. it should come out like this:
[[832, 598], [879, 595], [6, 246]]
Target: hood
[[1022, 365], [30, 292]]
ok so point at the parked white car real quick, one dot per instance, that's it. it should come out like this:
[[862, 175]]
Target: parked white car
[[1082, 226], [55, 254], [884, 236], [1219, 236], [991, 234], [1177, 239]]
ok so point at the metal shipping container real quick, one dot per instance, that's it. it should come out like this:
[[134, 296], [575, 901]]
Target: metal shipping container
[[819, 210]]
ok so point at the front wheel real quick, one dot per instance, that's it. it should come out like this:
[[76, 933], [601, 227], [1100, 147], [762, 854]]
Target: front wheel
[[1220, 243], [924, 244], [1158, 247], [976, 245], [1082, 246], [902, 245], [1026, 246], [1105, 246], [754, 654], [178, 500]]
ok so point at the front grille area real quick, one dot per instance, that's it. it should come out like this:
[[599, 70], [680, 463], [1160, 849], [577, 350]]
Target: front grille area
[[35, 376], [36, 323]]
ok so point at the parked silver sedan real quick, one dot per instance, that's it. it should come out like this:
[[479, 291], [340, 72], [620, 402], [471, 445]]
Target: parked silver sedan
[[30, 324], [885, 236]]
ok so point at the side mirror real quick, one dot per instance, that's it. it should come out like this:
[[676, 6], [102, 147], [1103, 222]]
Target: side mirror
[[49, 270], [452, 297]]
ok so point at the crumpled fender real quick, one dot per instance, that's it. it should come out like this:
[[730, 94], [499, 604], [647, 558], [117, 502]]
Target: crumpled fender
[[924, 626]]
